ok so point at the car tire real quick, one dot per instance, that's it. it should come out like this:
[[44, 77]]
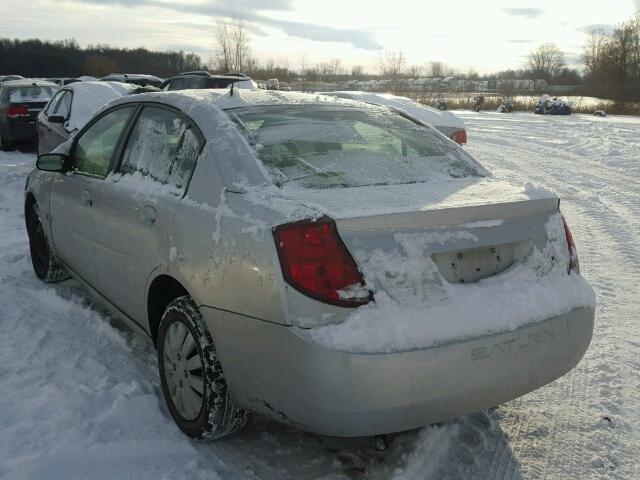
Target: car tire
[[45, 263], [192, 379], [4, 145]]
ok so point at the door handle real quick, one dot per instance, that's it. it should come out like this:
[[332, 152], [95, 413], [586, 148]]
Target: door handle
[[149, 215], [85, 198]]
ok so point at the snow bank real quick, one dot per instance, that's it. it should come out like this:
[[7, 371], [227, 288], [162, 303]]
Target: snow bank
[[426, 310]]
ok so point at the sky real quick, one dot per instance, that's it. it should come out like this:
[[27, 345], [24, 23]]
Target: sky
[[485, 35]]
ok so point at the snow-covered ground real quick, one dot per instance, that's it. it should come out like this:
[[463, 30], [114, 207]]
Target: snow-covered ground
[[80, 395]]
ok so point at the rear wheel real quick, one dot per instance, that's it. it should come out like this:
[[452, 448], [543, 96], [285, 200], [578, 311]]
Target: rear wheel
[[4, 144], [192, 380], [45, 263]]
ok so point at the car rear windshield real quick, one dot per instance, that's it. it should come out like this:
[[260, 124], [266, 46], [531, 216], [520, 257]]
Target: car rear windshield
[[31, 93], [328, 147]]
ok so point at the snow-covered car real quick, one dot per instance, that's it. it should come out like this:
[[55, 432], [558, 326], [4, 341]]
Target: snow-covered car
[[334, 265], [72, 107], [445, 122]]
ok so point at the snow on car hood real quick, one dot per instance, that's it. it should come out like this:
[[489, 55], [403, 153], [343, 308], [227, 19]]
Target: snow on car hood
[[532, 291]]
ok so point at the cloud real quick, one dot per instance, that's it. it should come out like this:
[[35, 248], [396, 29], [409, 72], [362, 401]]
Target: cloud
[[521, 41], [523, 12], [249, 10], [603, 27]]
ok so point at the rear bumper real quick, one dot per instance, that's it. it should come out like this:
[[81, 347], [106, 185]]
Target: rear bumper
[[272, 370]]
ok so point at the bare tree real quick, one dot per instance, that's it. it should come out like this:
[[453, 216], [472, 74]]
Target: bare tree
[[391, 65], [594, 51], [357, 71], [439, 70], [547, 61], [231, 41]]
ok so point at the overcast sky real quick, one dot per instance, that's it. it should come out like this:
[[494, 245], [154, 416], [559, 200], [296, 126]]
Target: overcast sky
[[487, 35]]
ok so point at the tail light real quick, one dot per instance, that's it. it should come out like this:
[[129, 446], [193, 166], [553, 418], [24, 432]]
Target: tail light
[[459, 136], [574, 264], [15, 112], [316, 262]]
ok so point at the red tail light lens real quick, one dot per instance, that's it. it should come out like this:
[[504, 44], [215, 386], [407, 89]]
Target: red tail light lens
[[459, 136], [14, 112], [574, 264], [315, 261]]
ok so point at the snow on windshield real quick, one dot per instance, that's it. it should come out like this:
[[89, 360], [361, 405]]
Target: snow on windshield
[[32, 93], [327, 147]]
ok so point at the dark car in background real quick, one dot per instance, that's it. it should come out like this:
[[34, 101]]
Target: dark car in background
[[200, 80], [20, 103], [135, 78]]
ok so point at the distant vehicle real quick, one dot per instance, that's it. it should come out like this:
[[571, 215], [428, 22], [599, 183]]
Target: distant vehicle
[[8, 78], [506, 106], [441, 103], [478, 103], [273, 84], [63, 80], [548, 106], [352, 208], [20, 103], [446, 123], [135, 78], [200, 80], [72, 107]]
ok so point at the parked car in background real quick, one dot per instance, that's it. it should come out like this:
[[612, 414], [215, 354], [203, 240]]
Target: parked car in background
[[8, 78], [72, 107], [445, 122], [241, 232], [135, 78], [63, 80], [200, 80], [20, 103]]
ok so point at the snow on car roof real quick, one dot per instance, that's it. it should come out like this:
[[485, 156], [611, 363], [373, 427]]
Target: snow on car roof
[[89, 97]]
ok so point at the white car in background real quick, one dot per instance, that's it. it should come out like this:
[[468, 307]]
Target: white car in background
[[446, 123], [72, 107]]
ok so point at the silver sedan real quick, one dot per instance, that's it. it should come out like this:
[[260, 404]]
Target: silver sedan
[[337, 266]]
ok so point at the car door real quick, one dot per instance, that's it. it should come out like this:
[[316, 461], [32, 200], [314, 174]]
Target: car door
[[137, 203], [74, 194], [50, 134], [57, 130]]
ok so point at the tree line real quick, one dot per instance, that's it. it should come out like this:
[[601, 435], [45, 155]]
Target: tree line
[[39, 58]]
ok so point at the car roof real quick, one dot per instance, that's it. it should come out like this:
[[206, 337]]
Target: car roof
[[28, 83], [186, 100], [132, 76], [208, 75]]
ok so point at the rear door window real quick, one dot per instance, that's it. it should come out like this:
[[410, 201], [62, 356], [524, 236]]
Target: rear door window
[[163, 147], [52, 104], [64, 105], [96, 145]]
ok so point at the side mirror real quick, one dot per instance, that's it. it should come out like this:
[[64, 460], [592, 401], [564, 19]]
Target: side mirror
[[51, 162], [56, 119]]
